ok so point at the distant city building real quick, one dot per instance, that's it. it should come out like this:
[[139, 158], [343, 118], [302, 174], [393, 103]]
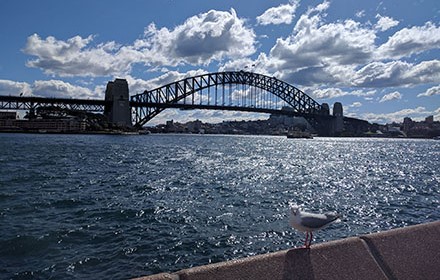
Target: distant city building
[[407, 124], [423, 129], [290, 122], [43, 125], [195, 126], [429, 120]]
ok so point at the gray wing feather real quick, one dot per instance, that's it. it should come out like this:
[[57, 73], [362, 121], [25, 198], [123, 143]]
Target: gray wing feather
[[316, 222]]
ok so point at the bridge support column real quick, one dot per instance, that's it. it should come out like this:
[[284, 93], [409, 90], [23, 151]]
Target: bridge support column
[[118, 111], [339, 118], [330, 126]]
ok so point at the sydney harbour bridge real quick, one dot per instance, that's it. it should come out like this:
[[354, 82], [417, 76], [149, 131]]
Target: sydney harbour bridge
[[232, 91]]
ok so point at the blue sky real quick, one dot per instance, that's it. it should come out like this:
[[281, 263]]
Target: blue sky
[[381, 59]]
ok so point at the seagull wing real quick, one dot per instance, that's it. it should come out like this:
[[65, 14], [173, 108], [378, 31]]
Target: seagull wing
[[316, 221]]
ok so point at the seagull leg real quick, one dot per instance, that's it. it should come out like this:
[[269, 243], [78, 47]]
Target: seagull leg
[[307, 237], [311, 237]]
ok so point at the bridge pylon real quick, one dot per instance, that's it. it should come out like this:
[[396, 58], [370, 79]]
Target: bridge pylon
[[118, 110]]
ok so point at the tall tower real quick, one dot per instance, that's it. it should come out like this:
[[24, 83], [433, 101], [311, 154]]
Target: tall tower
[[325, 109], [118, 109], [339, 120]]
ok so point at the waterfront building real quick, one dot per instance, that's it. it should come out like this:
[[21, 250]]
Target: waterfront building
[[10, 123]]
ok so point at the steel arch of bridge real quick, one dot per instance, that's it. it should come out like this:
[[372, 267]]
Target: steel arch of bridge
[[151, 102]]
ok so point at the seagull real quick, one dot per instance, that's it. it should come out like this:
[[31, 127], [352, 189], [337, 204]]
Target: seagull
[[308, 222]]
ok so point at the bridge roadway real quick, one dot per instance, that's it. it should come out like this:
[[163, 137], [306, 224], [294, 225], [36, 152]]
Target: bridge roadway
[[184, 106], [31, 103], [97, 105]]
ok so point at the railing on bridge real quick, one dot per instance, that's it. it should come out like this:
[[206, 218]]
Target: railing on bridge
[[31, 103], [239, 91]]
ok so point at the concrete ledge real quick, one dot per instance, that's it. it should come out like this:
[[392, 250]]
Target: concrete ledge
[[407, 253]]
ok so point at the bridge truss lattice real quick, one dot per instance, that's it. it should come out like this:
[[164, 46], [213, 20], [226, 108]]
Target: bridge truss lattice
[[31, 103], [234, 90]]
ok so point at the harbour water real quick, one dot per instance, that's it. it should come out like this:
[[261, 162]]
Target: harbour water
[[107, 206]]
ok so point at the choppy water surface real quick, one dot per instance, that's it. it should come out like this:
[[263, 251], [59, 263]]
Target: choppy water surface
[[96, 206]]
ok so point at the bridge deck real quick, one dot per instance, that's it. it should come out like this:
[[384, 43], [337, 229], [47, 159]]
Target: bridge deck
[[32, 102]]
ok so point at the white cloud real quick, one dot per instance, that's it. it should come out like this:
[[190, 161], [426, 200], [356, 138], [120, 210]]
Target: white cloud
[[352, 109], [360, 14], [328, 93], [137, 86], [246, 64], [384, 23], [214, 35], [437, 114], [320, 8], [397, 73], [8, 87], [431, 91], [391, 96], [201, 39], [50, 88], [278, 15], [337, 92], [56, 88], [74, 58], [345, 54], [409, 41], [355, 105], [319, 52], [418, 113]]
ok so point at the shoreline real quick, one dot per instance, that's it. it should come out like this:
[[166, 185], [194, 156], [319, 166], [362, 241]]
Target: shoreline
[[111, 132], [146, 132]]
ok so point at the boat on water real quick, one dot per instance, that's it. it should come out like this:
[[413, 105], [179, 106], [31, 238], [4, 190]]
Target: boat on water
[[299, 134]]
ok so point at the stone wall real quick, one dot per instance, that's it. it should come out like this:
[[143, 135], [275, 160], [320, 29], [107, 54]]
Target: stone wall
[[407, 253]]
